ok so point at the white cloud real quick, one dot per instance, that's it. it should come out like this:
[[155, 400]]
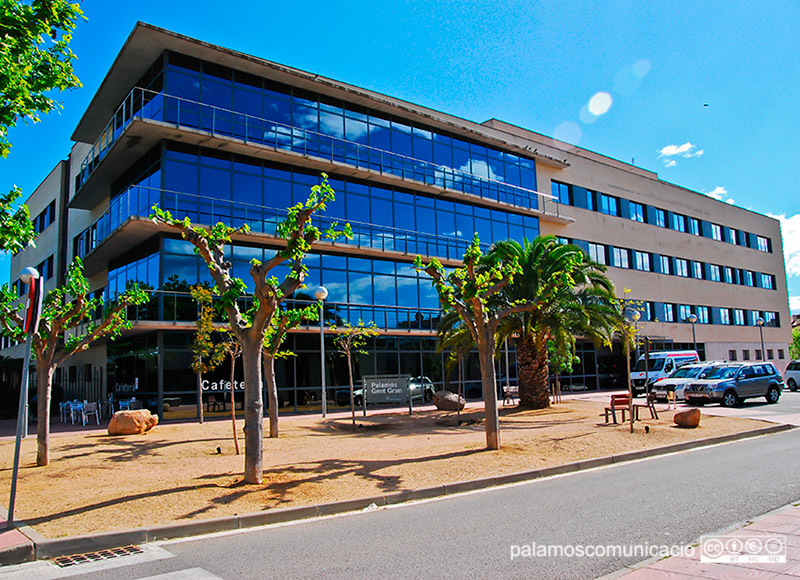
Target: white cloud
[[790, 230], [730, 201], [718, 192], [671, 150], [794, 304], [686, 150]]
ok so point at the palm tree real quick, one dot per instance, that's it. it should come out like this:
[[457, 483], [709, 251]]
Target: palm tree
[[573, 296]]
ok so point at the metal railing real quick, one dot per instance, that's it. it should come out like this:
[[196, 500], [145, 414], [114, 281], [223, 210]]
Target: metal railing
[[218, 121], [171, 306], [138, 201]]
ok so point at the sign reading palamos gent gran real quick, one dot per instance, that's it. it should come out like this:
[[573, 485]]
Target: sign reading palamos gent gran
[[386, 389]]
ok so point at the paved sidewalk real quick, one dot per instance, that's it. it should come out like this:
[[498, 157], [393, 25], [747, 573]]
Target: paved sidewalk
[[783, 524]]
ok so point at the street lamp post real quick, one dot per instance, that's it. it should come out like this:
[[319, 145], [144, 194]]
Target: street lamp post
[[760, 323], [635, 316], [30, 277], [321, 294], [693, 319]]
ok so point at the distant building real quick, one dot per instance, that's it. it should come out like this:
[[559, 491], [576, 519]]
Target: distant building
[[218, 135]]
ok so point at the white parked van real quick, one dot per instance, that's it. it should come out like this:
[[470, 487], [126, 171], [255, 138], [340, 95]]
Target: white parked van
[[659, 364]]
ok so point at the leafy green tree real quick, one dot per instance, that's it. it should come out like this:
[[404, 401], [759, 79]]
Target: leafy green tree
[[252, 326], [472, 291], [353, 339], [35, 59], [68, 325], [16, 227], [569, 295], [794, 348], [207, 354]]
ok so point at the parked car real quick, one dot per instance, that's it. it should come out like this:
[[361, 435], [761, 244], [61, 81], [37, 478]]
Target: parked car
[[792, 375], [659, 365], [681, 377], [731, 383], [420, 387]]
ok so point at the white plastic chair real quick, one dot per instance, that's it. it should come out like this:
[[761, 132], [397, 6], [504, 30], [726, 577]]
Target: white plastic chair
[[90, 409]]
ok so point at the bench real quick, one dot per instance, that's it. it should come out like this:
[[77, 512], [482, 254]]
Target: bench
[[621, 403], [510, 392], [618, 403]]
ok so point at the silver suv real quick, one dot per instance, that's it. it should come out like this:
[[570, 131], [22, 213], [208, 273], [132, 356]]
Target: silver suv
[[681, 377], [731, 383], [792, 375]]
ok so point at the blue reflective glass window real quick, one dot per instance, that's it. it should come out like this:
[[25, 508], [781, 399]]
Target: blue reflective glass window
[[357, 131], [217, 93], [247, 188], [465, 226], [336, 283], [180, 177], [185, 85], [215, 183], [380, 137], [401, 139], [331, 124], [358, 208], [384, 289]]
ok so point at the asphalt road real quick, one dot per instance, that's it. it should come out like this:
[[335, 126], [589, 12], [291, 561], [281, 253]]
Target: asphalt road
[[669, 500]]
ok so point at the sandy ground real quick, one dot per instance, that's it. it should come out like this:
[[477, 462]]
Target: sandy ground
[[175, 473]]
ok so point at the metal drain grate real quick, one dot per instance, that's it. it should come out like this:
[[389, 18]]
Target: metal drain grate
[[75, 559]]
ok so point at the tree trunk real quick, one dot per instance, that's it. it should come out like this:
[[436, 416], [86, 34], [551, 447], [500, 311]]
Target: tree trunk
[[352, 396], [272, 394], [488, 381], [532, 367], [233, 404], [200, 396], [253, 411], [44, 384]]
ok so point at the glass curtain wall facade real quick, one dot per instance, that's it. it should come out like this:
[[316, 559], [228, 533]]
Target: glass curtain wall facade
[[210, 186]]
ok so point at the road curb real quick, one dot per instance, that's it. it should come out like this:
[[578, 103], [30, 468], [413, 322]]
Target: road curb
[[52, 548]]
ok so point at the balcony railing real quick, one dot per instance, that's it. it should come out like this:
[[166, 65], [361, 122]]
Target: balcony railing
[[179, 112], [168, 306], [138, 201]]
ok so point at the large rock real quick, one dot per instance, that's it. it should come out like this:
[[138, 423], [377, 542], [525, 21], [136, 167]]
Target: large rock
[[447, 401], [688, 419], [132, 422]]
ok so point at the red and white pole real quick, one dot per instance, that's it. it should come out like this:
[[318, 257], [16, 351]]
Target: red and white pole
[[33, 311]]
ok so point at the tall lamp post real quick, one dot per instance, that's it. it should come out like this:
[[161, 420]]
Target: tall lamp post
[[321, 294], [635, 316], [693, 319], [760, 323], [30, 277]]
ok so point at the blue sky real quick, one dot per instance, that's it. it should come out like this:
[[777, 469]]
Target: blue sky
[[534, 64]]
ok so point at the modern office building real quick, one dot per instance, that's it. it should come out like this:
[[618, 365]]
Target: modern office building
[[217, 135]]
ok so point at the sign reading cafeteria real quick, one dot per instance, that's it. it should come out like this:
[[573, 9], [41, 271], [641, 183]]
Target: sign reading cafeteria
[[386, 389], [222, 385]]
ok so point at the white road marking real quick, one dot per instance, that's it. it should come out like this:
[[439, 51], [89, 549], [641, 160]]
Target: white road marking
[[189, 574]]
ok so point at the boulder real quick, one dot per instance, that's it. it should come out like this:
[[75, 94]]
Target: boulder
[[688, 419], [132, 422], [447, 401]]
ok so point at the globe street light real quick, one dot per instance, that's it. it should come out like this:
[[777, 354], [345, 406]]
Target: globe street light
[[760, 323], [321, 294], [693, 319], [635, 316]]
